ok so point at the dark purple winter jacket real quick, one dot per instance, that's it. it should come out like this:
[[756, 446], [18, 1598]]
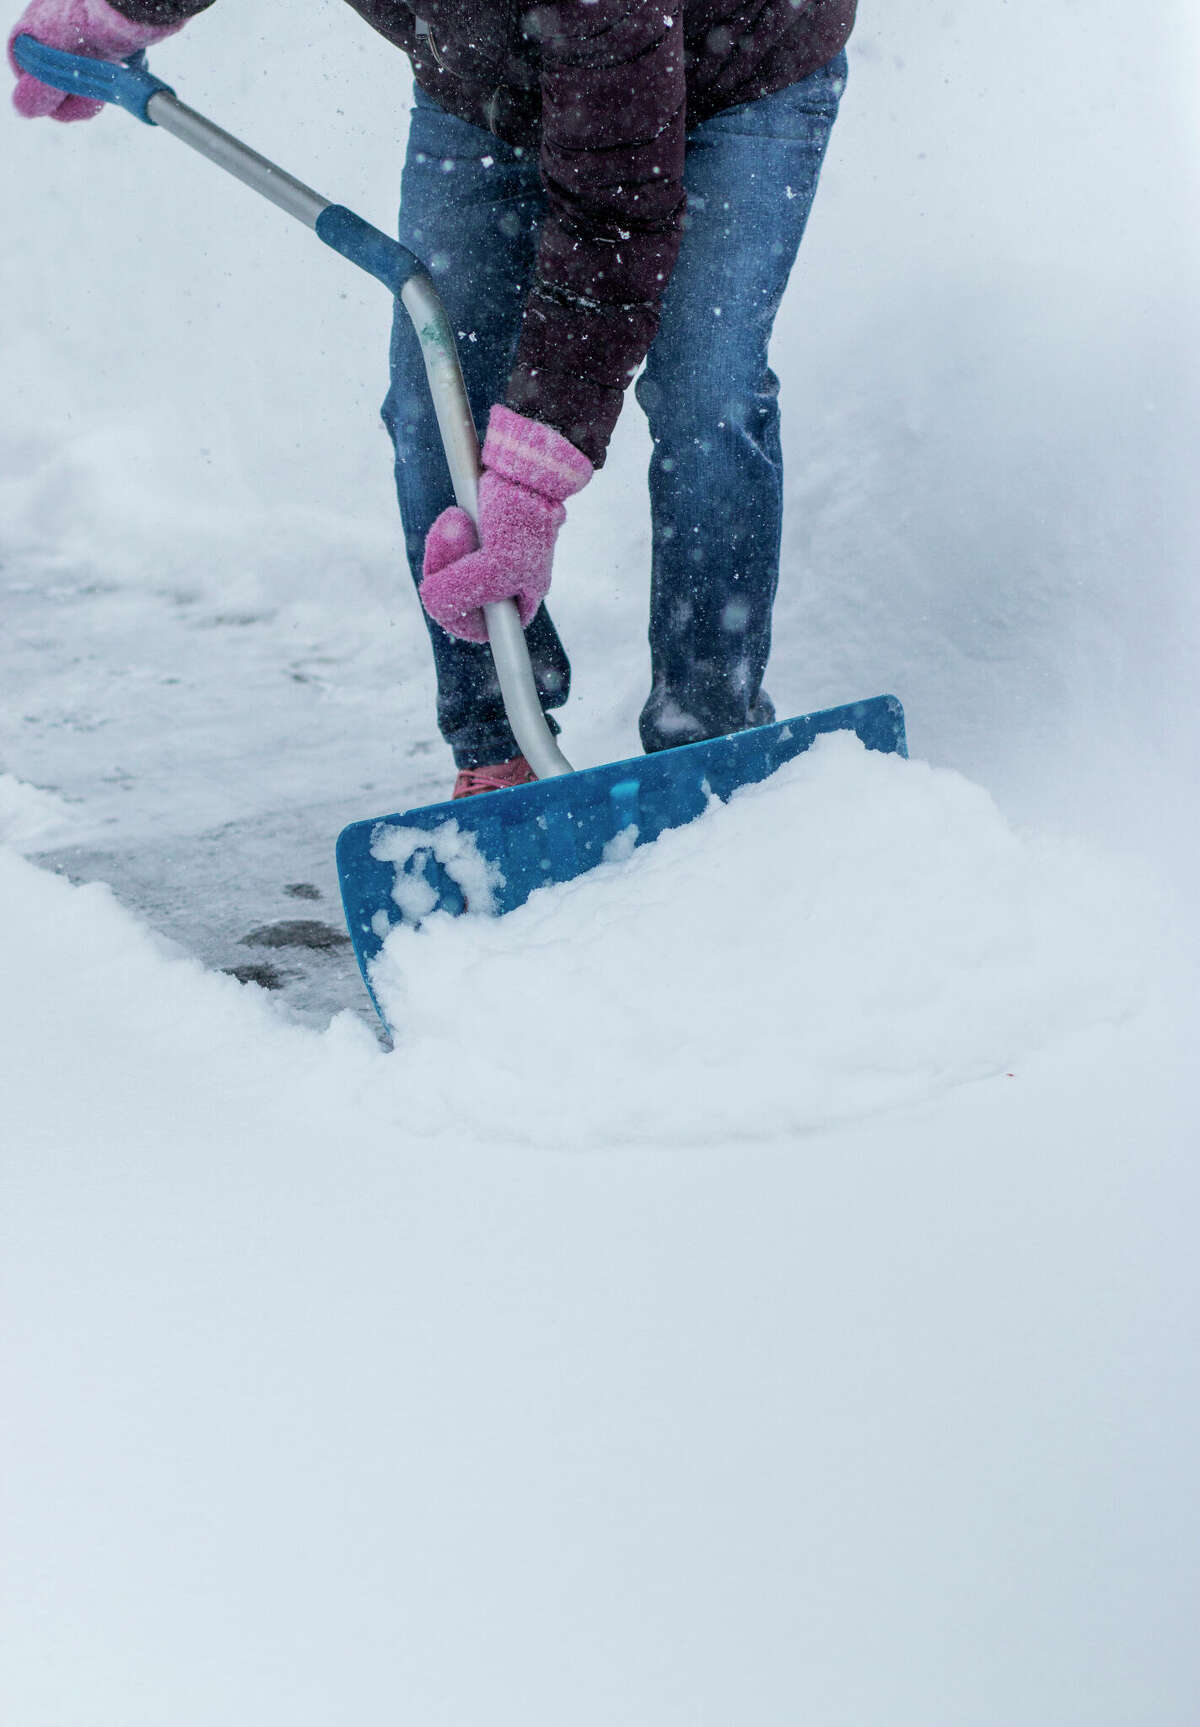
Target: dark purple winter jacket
[[604, 90]]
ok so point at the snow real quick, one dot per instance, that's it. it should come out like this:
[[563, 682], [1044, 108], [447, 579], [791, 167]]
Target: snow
[[759, 1286], [857, 933], [28, 817], [456, 852]]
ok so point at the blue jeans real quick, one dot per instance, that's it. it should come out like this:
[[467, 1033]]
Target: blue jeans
[[470, 206]]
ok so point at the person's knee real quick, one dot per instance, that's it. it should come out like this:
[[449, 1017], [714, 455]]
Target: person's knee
[[701, 401]]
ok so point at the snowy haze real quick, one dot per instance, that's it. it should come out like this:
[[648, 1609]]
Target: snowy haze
[[759, 1286]]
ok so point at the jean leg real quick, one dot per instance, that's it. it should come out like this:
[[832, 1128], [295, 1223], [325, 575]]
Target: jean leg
[[470, 206], [711, 400]]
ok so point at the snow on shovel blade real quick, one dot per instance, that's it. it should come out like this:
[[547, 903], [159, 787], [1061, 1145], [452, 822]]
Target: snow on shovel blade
[[487, 854]]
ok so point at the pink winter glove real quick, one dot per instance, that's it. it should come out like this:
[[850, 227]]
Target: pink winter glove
[[89, 27], [528, 470]]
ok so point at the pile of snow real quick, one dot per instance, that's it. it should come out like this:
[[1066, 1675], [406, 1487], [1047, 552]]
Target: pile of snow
[[854, 933]]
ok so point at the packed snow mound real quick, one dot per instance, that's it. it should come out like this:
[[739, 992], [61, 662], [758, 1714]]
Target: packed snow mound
[[856, 933]]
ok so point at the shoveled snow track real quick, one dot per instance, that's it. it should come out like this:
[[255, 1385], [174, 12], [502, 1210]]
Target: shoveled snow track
[[186, 747]]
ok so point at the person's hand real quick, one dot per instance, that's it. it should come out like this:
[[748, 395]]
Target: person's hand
[[528, 471], [90, 27]]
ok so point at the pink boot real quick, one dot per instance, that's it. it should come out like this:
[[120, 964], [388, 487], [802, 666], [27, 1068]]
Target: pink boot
[[497, 777]]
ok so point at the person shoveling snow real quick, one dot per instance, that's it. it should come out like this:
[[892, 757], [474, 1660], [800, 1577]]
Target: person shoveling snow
[[559, 238]]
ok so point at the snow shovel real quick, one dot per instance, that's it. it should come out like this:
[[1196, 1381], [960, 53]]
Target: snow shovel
[[488, 853]]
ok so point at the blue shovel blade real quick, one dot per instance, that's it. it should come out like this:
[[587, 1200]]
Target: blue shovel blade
[[489, 853]]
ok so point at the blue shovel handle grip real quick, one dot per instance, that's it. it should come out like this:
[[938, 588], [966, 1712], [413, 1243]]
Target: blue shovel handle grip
[[129, 84]]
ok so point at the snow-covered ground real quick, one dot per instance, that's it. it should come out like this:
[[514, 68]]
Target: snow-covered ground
[[759, 1285]]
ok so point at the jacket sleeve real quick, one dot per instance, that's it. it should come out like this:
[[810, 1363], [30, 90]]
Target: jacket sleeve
[[613, 125]]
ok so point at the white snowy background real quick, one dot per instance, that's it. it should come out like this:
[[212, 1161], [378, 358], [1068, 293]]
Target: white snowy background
[[760, 1286]]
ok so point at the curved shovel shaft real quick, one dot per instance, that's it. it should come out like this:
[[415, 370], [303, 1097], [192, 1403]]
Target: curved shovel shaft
[[460, 442], [132, 86]]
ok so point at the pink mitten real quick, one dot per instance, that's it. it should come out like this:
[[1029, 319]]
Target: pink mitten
[[528, 470], [89, 27]]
